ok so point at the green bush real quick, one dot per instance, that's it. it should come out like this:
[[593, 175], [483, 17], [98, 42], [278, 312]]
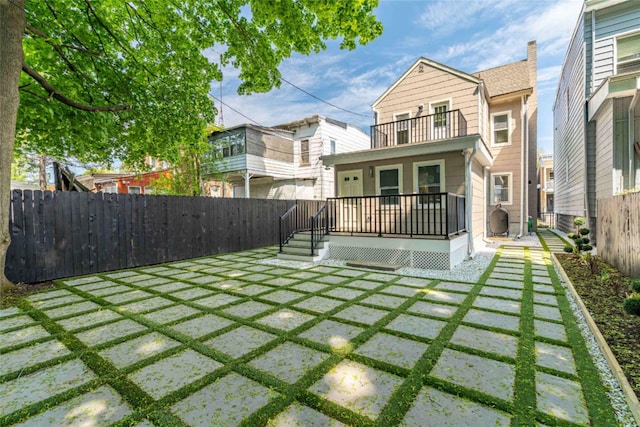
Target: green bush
[[568, 249], [584, 231], [635, 285], [632, 305]]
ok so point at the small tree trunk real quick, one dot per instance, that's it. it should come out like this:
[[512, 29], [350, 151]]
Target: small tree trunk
[[12, 26], [42, 170]]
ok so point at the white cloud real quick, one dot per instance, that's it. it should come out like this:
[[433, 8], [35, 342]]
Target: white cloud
[[550, 25]]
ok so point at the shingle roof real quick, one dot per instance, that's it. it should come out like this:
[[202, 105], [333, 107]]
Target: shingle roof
[[505, 79]]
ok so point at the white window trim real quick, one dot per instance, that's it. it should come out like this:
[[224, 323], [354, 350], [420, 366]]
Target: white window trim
[[433, 104], [615, 46], [395, 130], [134, 186], [300, 162], [502, 202], [509, 128], [378, 169]]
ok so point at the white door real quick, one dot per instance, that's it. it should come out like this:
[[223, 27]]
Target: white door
[[440, 120], [348, 210]]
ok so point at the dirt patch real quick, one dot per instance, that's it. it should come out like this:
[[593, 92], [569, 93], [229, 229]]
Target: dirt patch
[[9, 295], [603, 299]]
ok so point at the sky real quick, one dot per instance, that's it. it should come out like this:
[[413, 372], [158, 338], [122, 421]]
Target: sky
[[464, 34]]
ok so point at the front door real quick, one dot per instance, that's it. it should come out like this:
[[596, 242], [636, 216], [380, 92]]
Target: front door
[[349, 208]]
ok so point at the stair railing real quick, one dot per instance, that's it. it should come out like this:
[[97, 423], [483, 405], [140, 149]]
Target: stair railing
[[288, 225], [319, 227]]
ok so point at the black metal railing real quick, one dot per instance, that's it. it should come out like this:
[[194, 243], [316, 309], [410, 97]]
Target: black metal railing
[[288, 225], [433, 214], [319, 227], [432, 127], [547, 219], [297, 218]]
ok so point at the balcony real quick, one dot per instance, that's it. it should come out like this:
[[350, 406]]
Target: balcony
[[548, 186], [432, 127]]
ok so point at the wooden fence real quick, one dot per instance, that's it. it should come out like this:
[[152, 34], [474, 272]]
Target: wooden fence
[[619, 232], [64, 234]]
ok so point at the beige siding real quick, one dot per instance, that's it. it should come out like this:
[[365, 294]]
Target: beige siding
[[453, 169], [508, 158], [432, 85]]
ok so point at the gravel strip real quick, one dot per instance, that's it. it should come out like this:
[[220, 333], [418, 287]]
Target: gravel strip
[[618, 401]]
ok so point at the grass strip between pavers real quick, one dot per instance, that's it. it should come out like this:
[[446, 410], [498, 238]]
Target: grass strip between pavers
[[598, 403], [523, 408], [525, 382]]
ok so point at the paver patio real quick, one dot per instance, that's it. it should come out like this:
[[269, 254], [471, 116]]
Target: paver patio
[[230, 339]]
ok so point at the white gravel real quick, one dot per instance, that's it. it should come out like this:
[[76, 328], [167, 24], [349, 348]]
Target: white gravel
[[616, 397]]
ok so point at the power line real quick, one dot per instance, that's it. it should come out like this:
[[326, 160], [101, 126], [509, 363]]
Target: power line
[[322, 100], [233, 109]]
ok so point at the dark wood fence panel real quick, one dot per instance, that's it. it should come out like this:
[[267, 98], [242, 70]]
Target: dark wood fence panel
[[64, 234]]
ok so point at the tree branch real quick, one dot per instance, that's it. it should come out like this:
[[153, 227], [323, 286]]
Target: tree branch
[[58, 96]]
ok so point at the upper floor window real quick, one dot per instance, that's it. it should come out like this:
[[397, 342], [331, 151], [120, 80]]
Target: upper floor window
[[440, 119], [134, 189], [333, 146], [304, 152], [402, 124], [501, 128], [232, 143], [628, 53]]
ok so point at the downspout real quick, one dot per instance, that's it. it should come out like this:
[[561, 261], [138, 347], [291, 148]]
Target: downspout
[[468, 158], [631, 124], [525, 127], [522, 157]]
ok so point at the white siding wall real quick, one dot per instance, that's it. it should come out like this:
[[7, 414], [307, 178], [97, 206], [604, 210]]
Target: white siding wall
[[569, 135], [320, 135]]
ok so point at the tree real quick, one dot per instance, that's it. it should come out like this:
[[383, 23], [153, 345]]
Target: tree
[[117, 78]]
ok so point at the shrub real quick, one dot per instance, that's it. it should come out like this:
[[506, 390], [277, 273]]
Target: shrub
[[580, 239], [635, 285], [632, 305]]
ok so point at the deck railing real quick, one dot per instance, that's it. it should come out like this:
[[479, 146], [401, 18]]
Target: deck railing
[[432, 127], [319, 227], [433, 214]]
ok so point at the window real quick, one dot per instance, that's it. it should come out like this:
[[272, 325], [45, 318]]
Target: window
[[501, 188], [232, 143], [402, 128], [440, 119], [134, 189], [304, 152], [389, 182], [428, 178], [500, 129], [566, 105], [333, 146], [628, 54]]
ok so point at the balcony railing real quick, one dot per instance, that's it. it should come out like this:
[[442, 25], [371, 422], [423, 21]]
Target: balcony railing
[[548, 186], [434, 214], [432, 127]]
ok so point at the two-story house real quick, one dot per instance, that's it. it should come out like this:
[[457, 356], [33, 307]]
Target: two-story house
[[281, 162], [596, 111], [447, 148]]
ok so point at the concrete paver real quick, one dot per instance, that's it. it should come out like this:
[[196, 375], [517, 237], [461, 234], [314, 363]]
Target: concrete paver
[[343, 351]]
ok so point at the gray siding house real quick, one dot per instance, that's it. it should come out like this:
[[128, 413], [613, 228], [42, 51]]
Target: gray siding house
[[596, 112]]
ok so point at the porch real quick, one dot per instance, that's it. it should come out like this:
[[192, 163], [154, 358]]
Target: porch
[[418, 230], [432, 127]]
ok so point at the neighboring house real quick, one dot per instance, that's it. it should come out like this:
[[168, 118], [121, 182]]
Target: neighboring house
[[447, 147], [281, 162], [545, 183], [596, 112]]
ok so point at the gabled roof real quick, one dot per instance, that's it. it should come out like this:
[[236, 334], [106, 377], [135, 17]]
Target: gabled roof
[[506, 79], [429, 62]]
